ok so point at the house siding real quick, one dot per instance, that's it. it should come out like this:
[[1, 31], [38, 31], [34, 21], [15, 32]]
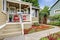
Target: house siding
[[27, 26], [35, 16], [3, 18], [56, 7], [1, 5], [10, 28], [35, 19]]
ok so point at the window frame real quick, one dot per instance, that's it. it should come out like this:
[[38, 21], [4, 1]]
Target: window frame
[[4, 6], [56, 10]]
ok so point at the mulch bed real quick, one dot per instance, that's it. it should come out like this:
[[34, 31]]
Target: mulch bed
[[36, 29]]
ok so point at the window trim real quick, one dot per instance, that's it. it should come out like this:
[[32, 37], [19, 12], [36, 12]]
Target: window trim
[[55, 10], [4, 6], [35, 12]]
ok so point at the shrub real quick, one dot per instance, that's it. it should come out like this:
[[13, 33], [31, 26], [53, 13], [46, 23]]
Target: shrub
[[56, 23], [36, 24], [55, 17], [45, 38]]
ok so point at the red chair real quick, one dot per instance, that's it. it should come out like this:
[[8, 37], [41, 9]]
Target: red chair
[[16, 18]]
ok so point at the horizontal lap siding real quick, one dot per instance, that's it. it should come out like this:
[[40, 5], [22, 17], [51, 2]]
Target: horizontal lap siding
[[1, 1], [3, 18], [27, 26], [35, 19]]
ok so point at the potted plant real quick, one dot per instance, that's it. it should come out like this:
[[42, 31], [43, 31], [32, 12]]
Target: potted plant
[[10, 18]]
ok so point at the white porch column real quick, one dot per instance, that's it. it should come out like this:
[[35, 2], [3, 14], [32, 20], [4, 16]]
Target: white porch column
[[31, 12], [20, 7], [22, 25]]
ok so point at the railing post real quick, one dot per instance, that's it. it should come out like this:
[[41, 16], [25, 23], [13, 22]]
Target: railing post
[[31, 12]]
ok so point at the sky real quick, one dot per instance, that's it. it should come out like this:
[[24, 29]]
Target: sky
[[43, 3]]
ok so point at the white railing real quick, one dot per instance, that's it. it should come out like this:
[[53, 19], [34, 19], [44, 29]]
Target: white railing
[[26, 17], [13, 18], [3, 26]]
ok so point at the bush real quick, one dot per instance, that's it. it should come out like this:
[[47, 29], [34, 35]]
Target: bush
[[45, 38], [36, 24], [55, 17], [56, 23]]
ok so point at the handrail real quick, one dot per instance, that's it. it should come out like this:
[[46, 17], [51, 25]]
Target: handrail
[[5, 23], [3, 12], [3, 26]]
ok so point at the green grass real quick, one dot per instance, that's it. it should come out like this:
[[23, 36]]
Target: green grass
[[45, 38]]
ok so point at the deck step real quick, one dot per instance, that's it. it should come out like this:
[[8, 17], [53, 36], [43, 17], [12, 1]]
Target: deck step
[[12, 26], [10, 34], [10, 30]]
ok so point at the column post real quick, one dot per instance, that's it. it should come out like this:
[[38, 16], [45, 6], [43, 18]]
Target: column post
[[31, 12]]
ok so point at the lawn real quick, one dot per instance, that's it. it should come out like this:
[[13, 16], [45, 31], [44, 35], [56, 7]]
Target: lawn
[[35, 28], [55, 36]]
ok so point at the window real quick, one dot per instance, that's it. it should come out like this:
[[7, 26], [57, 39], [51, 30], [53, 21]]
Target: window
[[57, 11], [4, 5], [35, 13], [28, 10]]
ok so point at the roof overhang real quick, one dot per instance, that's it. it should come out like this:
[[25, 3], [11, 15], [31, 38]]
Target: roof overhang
[[20, 2], [54, 4], [33, 7]]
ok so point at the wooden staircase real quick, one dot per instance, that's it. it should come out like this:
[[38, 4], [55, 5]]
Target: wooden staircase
[[10, 30]]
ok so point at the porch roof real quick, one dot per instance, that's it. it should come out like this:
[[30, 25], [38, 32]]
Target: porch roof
[[20, 2], [33, 7]]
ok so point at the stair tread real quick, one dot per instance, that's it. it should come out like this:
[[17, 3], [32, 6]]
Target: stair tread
[[6, 27], [11, 29], [10, 34]]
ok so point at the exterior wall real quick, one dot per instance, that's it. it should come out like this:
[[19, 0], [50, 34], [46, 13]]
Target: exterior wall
[[34, 18], [1, 6], [10, 30], [26, 26], [56, 7], [3, 18]]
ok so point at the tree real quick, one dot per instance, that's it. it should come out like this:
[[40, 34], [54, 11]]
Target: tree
[[34, 2], [44, 13]]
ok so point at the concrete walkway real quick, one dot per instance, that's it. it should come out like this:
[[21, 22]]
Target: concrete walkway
[[38, 35]]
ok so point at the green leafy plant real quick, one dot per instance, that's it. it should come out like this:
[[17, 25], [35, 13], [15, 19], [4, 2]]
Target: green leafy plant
[[45, 38], [10, 16], [55, 17], [56, 23], [36, 24]]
